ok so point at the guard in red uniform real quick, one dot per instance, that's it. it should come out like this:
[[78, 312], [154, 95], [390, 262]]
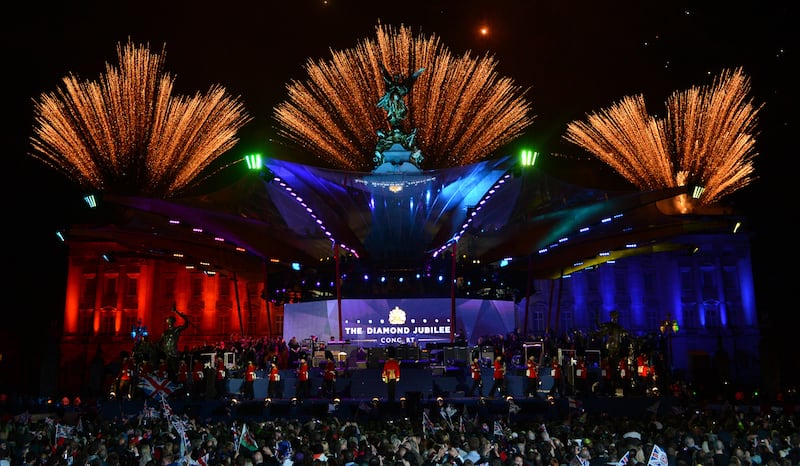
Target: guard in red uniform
[[329, 379], [198, 378], [558, 380], [390, 376], [124, 381], [581, 377], [182, 377], [643, 372], [163, 369], [624, 375], [274, 387], [303, 390], [248, 386], [221, 377], [606, 377], [498, 376], [477, 377], [532, 388]]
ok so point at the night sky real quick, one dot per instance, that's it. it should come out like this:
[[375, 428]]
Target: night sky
[[574, 57]]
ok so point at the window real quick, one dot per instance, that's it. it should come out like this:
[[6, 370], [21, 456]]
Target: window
[[224, 286], [132, 288], [197, 286], [169, 286], [108, 319]]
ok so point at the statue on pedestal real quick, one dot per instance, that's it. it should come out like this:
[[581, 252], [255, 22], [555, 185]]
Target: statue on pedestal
[[401, 144]]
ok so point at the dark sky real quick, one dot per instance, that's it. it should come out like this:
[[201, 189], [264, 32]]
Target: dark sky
[[574, 56]]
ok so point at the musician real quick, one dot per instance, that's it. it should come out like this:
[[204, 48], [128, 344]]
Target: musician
[[581, 376]]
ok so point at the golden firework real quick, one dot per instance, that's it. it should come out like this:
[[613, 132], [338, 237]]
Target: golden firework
[[460, 107], [127, 133], [707, 138]]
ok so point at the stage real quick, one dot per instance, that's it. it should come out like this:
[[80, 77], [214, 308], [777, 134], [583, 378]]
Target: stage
[[361, 395], [407, 407]]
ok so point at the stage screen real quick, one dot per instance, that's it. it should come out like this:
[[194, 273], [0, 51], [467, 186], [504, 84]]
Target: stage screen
[[392, 322]]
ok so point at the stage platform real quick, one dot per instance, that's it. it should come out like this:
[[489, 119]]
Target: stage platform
[[361, 394], [407, 407]]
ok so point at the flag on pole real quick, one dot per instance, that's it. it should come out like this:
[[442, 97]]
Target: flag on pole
[[63, 431], [247, 439], [498, 430], [624, 460], [427, 424], [658, 457], [156, 387]]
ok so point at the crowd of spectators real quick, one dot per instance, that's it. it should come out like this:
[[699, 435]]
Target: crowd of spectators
[[725, 435]]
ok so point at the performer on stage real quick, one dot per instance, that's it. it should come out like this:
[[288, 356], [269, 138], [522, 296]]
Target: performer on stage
[[558, 380], [532, 388], [390, 376], [198, 379], [499, 377], [221, 377], [124, 387], [477, 377], [248, 386], [329, 378], [581, 377], [274, 387], [303, 390]]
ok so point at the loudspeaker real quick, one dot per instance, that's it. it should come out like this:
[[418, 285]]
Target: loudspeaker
[[375, 357]]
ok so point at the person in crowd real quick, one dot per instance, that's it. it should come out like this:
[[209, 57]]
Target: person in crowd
[[476, 372], [391, 376]]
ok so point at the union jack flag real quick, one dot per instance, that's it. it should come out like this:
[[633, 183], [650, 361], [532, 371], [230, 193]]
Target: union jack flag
[[624, 460], [156, 387]]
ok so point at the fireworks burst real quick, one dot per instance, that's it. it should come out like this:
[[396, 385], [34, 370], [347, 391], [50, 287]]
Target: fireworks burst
[[707, 139], [127, 133], [462, 110]]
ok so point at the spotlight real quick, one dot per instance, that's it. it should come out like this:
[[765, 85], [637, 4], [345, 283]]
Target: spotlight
[[267, 401]]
